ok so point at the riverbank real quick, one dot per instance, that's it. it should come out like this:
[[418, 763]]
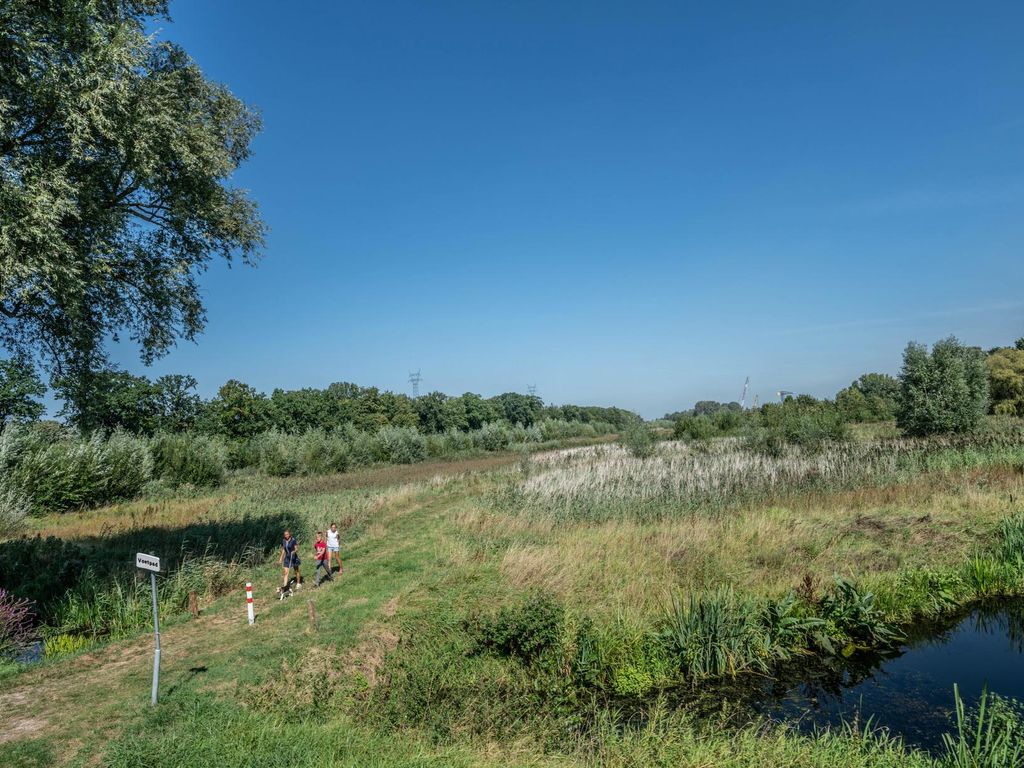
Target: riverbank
[[467, 632]]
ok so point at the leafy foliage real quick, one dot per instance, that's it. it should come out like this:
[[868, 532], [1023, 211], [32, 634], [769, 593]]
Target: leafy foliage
[[942, 391], [188, 458], [19, 388], [524, 630], [116, 154], [1006, 378], [872, 397], [638, 440]]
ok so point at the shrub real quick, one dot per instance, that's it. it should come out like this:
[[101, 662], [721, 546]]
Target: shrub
[[694, 428], [524, 630], [944, 391], [127, 465], [56, 470], [364, 448], [492, 437], [796, 422], [855, 620], [17, 624], [401, 445], [188, 458], [321, 453], [638, 440], [278, 454], [242, 454], [14, 508], [559, 429]]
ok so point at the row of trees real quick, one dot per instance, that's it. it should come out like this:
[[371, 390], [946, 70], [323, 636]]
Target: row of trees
[[947, 389], [120, 400]]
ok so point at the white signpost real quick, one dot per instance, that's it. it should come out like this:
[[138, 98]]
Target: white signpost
[[151, 563]]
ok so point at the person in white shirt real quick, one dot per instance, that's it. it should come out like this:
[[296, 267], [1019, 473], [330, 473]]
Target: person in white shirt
[[333, 547]]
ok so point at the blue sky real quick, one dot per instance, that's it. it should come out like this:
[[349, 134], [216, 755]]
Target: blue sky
[[623, 203]]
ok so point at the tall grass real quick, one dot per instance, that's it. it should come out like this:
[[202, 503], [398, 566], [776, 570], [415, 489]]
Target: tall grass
[[608, 482], [118, 605], [992, 737]]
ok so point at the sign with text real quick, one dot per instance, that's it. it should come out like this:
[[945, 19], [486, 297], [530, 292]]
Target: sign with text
[[147, 562]]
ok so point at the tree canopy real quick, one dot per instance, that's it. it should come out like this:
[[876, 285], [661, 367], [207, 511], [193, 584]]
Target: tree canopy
[[942, 391], [1006, 372], [116, 155], [19, 388]]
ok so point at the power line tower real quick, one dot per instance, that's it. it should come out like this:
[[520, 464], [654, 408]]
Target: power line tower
[[415, 379], [531, 390], [754, 406]]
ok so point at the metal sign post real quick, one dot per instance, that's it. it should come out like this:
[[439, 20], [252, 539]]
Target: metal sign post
[[152, 564]]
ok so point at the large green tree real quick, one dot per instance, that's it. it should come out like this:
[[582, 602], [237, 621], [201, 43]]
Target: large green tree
[[872, 397], [945, 390], [1006, 377], [116, 157], [19, 389]]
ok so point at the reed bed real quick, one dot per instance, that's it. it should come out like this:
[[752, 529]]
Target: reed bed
[[608, 482]]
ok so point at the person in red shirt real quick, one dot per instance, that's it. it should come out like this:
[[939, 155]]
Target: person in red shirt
[[320, 555]]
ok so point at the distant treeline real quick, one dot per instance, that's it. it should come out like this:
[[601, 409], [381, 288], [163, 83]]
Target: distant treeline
[[117, 400], [879, 396], [947, 389]]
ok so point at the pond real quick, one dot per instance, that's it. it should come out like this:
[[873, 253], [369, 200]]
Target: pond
[[908, 691]]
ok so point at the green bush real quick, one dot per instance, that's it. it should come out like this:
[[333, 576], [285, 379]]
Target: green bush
[[321, 453], [364, 448], [127, 466], [697, 428], [492, 437], [807, 423], [401, 445], [279, 455], [944, 391], [524, 630], [188, 458], [638, 440], [57, 471]]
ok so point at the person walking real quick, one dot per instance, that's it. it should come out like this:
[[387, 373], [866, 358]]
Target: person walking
[[322, 561], [333, 547], [289, 560]]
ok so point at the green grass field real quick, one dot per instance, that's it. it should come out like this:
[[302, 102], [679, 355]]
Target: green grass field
[[431, 648]]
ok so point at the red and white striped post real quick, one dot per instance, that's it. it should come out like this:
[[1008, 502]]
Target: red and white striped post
[[248, 602]]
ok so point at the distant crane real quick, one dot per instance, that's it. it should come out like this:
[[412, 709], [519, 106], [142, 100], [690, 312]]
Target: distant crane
[[782, 395], [743, 397], [415, 379], [754, 406]]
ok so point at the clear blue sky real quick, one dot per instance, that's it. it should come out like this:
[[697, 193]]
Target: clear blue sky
[[624, 203]]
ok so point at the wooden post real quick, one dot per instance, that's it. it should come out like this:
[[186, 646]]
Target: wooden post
[[193, 604], [312, 615]]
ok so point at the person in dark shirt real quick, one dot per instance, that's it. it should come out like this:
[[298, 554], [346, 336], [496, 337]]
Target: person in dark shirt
[[289, 560]]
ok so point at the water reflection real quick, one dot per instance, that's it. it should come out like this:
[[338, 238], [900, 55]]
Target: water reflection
[[910, 691]]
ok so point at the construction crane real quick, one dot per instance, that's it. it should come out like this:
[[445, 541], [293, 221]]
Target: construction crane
[[754, 406], [782, 395], [743, 397]]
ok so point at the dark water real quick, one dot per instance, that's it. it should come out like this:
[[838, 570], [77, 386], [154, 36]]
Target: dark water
[[910, 691]]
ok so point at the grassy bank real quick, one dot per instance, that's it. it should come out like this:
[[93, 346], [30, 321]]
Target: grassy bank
[[478, 624]]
